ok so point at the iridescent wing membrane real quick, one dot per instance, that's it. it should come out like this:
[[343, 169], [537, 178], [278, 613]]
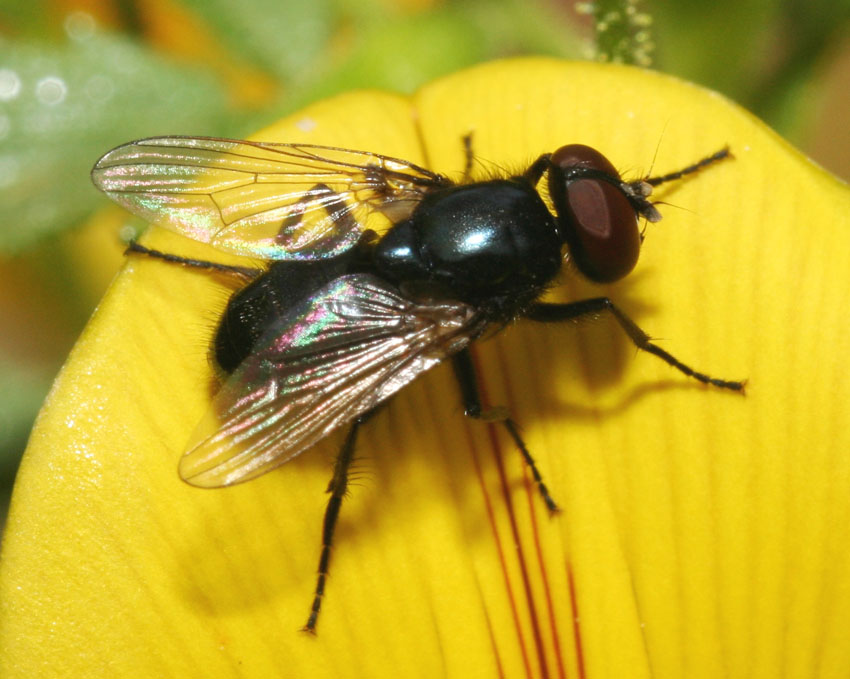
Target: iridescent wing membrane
[[335, 356], [258, 199]]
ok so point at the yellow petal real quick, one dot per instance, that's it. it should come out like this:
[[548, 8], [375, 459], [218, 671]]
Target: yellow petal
[[702, 533]]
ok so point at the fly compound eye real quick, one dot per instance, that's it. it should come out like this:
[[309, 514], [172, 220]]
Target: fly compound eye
[[596, 218]]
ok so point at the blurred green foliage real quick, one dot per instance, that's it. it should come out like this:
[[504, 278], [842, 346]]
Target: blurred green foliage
[[285, 39], [764, 54], [77, 78], [63, 102]]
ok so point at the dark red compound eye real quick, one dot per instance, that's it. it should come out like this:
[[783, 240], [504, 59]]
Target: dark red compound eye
[[597, 221]]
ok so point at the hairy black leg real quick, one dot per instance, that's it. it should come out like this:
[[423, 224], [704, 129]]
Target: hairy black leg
[[468, 155], [337, 489], [537, 168], [556, 313], [466, 378], [690, 169], [242, 271], [336, 208], [532, 174], [332, 203]]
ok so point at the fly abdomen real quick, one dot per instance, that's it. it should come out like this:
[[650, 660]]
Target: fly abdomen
[[251, 311]]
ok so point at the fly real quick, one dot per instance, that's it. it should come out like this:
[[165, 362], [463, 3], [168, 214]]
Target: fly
[[345, 316]]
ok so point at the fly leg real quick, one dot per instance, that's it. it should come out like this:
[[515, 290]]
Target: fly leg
[[242, 271], [337, 489], [556, 313], [469, 157], [335, 207], [466, 378]]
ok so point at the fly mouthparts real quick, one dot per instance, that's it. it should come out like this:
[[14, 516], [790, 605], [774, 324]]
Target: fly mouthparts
[[637, 192]]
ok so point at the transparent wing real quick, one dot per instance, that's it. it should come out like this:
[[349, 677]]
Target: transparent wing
[[274, 201], [338, 355]]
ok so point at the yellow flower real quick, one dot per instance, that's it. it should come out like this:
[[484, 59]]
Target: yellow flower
[[703, 534]]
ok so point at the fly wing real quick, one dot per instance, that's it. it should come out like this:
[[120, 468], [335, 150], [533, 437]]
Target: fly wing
[[336, 356], [258, 199]]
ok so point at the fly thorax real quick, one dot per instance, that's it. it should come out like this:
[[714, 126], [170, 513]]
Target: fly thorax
[[475, 241]]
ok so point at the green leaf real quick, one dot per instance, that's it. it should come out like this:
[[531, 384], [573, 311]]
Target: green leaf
[[63, 106], [284, 38], [767, 51], [27, 16], [29, 384], [404, 51]]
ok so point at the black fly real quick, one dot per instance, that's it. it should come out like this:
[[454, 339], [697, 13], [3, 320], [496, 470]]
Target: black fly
[[344, 316]]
